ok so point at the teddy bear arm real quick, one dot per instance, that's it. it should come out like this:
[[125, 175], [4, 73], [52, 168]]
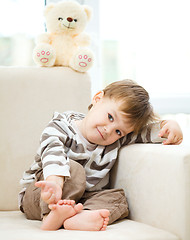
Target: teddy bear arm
[[43, 38]]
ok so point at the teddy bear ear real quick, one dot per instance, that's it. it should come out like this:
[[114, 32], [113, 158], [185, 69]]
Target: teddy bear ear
[[48, 8], [88, 11]]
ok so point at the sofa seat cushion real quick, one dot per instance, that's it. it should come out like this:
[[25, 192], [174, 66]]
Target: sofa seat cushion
[[14, 226]]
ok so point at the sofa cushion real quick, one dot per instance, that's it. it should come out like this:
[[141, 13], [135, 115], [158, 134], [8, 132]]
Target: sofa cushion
[[14, 226]]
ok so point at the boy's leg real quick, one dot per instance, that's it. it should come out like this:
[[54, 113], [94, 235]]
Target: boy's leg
[[88, 220], [100, 209], [31, 203], [61, 211], [113, 200], [73, 188]]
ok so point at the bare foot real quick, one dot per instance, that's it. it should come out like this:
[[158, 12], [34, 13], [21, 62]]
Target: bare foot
[[88, 220], [51, 192], [59, 213]]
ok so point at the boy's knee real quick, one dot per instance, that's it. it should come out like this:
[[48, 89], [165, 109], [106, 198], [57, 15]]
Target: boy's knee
[[77, 173], [75, 186]]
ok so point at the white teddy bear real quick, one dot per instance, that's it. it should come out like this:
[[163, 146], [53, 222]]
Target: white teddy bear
[[65, 43]]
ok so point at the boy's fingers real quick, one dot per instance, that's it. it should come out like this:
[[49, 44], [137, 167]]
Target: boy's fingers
[[166, 142], [40, 184], [169, 140], [51, 198], [48, 197], [177, 140], [162, 132], [180, 141]]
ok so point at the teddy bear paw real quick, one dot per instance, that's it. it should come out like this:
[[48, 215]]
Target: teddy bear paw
[[82, 61], [44, 55]]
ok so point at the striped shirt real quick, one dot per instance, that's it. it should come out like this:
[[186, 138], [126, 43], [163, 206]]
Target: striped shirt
[[61, 141]]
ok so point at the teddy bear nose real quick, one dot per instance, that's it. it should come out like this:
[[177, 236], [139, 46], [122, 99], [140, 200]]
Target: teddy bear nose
[[69, 19]]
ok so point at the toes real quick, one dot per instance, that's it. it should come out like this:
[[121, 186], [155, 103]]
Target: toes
[[52, 206], [71, 202], [66, 202], [103, 228], [105, 213], [105, 223], [78, 207], [60, 202]]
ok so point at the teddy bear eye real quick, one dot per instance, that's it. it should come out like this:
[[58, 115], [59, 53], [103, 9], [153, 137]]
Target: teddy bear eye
[[75, 20], [60, 18]]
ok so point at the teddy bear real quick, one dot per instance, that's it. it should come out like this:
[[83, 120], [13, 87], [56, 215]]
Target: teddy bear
[[65, 42]]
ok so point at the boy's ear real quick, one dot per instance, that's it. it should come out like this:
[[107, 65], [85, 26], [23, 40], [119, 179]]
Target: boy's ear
[[97, 97]]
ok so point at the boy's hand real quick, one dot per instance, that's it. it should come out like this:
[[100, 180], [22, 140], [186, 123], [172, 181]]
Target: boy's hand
[[171, 130], [51, 190]]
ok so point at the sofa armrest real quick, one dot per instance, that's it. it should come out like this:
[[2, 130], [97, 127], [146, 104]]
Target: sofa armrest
[[156, 180]]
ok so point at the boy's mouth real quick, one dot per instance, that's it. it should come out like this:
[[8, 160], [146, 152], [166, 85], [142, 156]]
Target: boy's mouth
[[100, 133]]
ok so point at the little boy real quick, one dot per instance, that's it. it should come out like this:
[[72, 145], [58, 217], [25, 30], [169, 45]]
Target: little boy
[[68, 184]]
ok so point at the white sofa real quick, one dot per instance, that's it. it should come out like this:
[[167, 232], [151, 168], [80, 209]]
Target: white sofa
[[156, 178]]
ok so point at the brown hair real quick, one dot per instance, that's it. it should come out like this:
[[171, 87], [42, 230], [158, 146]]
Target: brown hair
[[134, 102]]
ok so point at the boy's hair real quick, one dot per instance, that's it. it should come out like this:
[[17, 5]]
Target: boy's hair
[[134, 102]]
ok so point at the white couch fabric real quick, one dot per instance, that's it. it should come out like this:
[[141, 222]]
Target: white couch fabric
[[14, 226], [156, 178]]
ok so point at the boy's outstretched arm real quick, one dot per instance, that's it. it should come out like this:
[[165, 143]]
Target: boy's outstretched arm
[[51, 189], [171, 130]]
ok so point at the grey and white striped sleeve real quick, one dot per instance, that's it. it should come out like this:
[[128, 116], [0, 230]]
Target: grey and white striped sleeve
[[149, 134], [52, 143]]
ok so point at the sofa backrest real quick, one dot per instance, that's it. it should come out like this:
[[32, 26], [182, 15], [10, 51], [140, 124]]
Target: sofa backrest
[[28, 98]]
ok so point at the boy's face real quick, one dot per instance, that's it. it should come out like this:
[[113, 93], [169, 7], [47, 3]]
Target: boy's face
[[105, 123]]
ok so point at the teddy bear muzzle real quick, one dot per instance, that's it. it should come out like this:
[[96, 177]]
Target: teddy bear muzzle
[[68, 22]]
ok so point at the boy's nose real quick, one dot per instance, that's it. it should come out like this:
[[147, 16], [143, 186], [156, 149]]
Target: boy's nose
[[108, 129]]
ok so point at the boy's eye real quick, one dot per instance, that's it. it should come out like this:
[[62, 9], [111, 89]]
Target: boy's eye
[[110, 117], [118, 132]]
